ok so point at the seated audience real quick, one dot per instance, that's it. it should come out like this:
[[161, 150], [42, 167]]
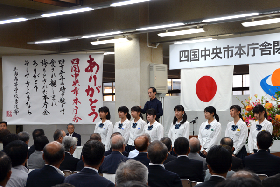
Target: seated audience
[[9, 138], [167, 141], [236, 162], [93, 156], [240, 182], [263, 162], [95, 136], [246, 174], [272, 181], [194, 152], [24, 136], [132, 184], [131, 170], [70, 129], [158, 176], [219, 162], [36, 133], [110, 150], [36, 160], [69, 163], [5, 168], [186, 168], [141, 144], [49, 175], [3, 133], [18, 152], [3, 125], [112, 161], [59, 135], [64, 185]]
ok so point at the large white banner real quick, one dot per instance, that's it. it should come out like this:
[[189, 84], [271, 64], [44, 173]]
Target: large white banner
[[264, 79], [52, 89], [231, 51], [202, 87]]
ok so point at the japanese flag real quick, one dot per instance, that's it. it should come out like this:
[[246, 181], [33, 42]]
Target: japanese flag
[[209, 86]]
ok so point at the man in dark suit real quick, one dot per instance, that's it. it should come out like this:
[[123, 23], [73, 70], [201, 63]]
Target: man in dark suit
[[194, 152], [70, 129], [186, 168], [93, 156], [112, 161], [219, 163], [272, 181], [141, 144], [49, 175], [236, 162], [58, 135], [158, 175], [110, 150], [167, 141], [36, 133], [69, 162], [263, 162]]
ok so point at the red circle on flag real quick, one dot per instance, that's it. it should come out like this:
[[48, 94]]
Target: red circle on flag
[[206, 88]]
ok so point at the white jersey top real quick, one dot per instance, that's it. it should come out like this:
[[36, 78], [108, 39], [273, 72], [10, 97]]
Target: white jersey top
[[105, 132], [124, 130], [238, 134], [156, 133], [252, 140], [182, 131], [209, 137], [137, 131]]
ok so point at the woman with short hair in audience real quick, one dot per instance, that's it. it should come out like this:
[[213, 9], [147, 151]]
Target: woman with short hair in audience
[[180, 126], [153, 128], [123, 126], [261, 124], [209, 131], [104, 127], [237, 130], [136, 127]]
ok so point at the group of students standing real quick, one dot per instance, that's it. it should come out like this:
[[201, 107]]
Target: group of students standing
[[209, 131]]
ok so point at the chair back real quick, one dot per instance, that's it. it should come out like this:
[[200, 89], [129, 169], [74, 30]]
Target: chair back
[[110, 177], [193, 183], [67, 173], [262, 176], [186, 183]]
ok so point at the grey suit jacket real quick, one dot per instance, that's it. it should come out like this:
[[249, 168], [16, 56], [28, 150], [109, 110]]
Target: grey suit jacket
[[36, 161], [196, 156], [208, 175]]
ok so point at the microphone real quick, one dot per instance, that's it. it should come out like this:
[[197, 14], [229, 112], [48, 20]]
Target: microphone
[[194, 120]]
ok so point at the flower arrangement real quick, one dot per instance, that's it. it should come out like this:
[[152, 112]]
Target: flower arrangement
[[272, 108]]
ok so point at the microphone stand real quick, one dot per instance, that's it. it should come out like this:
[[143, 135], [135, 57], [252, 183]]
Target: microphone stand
[[193, 122]]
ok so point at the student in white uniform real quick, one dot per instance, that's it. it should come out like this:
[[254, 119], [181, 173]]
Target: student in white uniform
[[123, 126], [237, 130], [180, 125], [154, 128], [209, 131], [104, 127], [261, 124], [136, 127]]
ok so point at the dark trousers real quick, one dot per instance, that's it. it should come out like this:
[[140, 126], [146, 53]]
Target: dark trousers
[[242, 153]]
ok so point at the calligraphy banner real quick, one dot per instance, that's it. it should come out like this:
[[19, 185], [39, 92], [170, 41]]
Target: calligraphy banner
[[52, 89]]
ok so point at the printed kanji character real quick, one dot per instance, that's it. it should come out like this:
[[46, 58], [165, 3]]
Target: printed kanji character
[[76, 118], [265, 48], [240, 51], [75, 91], [194, 55], [229, 51], [252, 46], [216, 51], [76, 101], [184, 56], [91, 65]]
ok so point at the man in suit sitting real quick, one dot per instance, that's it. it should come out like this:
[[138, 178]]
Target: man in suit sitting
[[219, 163], [237, 182], [110, 150], [35, 160], [112, 161], [36, 133], [158, 175], [236, 162], [5, 169], [49, 175], [59, 135], [194, 152], [186, 168], [263, 162], [167, 141], [70, 129], [141, 144], [69, 163], [93, 156], [24, 136], [131, 170]]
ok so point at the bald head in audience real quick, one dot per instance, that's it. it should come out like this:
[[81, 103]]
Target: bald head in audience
[[141, 143], [157, 152], [95, 136], [53, 153], [118, 143], [194, 145], [246, 174]]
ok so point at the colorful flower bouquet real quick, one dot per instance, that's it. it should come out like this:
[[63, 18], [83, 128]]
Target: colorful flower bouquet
[[272, 108]]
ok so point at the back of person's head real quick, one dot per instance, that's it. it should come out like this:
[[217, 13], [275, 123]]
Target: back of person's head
[[124, 109], [53, 153], [95, 136], [69, 142], [24, 136], [141, 143], [9, 138], [117, 142], [219, 159], [37, 132], [227, 148], [167, 141], [239, 182], [93, 152], [157, 152], [3, 133], [181, 146], [246, 174], [264, 140], [194, 145], [115, 133], [5, 168], [105, 110], [131, 170], [40, 142], [226, 141], [57, 134], [17, 151], [132, 184]]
